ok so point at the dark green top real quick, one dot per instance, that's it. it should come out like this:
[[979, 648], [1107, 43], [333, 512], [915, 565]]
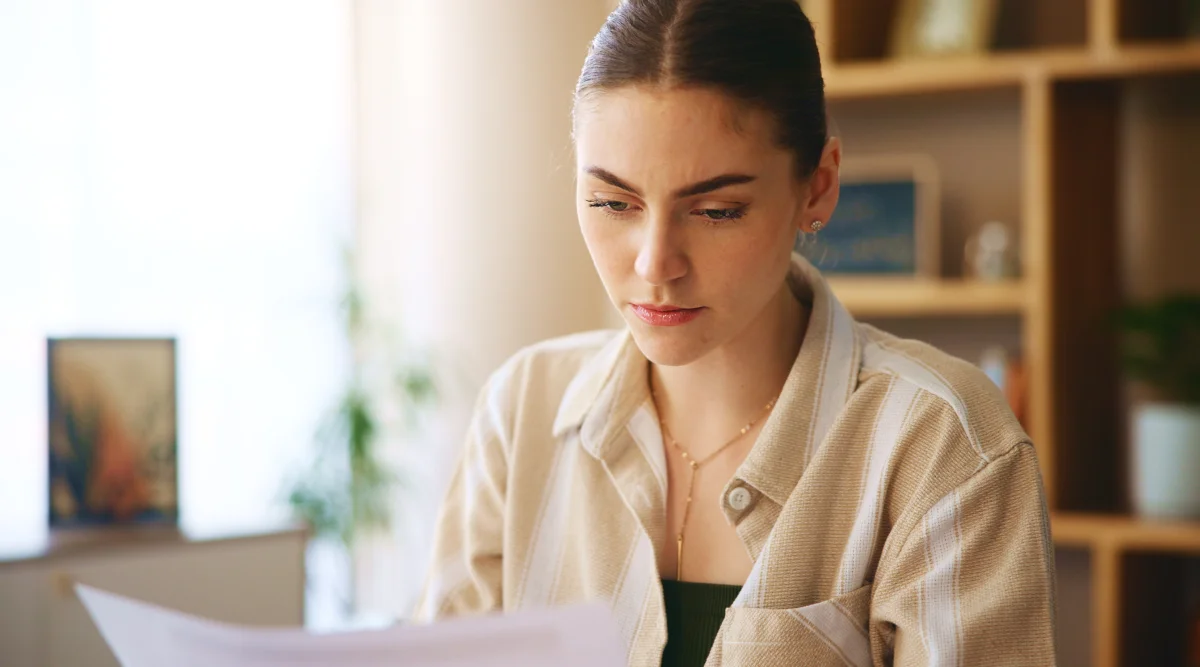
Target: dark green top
[[694, 614]]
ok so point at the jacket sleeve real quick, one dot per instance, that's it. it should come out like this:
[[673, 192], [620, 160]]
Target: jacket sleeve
[[466, 567], [973, 582]]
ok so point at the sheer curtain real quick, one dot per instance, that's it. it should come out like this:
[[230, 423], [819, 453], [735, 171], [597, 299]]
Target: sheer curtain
[[468, 225], [177, 169]]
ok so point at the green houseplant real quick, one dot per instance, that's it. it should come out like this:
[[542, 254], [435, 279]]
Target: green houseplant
[[348, 489], [1161, 348]]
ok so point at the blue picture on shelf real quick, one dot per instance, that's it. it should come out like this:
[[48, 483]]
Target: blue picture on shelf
[[873, 231]]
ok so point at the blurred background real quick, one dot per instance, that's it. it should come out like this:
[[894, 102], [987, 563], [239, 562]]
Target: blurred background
[[257, 257]]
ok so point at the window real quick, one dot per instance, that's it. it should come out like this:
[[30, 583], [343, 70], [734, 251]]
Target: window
[[177, 169]]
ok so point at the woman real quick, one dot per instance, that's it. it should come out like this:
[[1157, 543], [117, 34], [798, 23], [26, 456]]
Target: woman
[[745, 473]]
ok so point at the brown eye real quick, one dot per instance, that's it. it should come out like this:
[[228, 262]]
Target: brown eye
[[721, 213], [610, 204]]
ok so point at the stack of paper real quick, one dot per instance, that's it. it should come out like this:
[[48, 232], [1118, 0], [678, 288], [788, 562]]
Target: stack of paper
[[143, 635]]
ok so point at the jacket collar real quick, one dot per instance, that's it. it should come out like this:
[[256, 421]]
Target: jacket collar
[[604, 394], [823, 377]]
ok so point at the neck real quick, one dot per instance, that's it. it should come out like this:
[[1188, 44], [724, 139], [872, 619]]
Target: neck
[[728, 387]]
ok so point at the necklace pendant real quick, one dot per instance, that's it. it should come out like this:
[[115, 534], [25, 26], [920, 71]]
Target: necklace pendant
[[679, 559]]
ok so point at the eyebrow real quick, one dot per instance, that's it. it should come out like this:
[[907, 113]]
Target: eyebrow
[[707, 185]]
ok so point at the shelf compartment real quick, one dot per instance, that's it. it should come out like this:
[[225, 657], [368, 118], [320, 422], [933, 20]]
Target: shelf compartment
[[974, 139], [862, 30], [1037, 24], [1154, 20], [1155, 613]]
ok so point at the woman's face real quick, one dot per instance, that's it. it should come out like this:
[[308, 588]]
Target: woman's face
[[689, 209]]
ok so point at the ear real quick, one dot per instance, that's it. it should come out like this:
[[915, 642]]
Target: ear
[[821, 193]]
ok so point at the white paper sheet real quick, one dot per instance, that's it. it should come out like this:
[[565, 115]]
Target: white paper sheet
[[143, 635]]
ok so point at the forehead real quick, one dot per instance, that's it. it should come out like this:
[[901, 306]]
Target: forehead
[[665, 137]]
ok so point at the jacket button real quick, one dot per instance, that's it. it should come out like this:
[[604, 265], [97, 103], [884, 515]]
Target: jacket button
[[739, 498]]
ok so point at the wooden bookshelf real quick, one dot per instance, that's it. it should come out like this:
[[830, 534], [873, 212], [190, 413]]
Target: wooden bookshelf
[[1034, 133], [868, 297]]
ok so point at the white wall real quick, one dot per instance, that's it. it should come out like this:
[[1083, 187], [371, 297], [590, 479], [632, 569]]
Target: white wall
[[468, 175], [468, 222]]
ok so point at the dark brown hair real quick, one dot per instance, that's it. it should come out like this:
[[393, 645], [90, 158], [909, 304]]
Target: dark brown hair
[[760, 52]]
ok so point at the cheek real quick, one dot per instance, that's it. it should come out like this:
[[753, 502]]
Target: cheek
[[605, 245], [748, 270]]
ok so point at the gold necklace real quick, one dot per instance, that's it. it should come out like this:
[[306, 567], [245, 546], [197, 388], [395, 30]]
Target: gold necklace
[[695, 465]]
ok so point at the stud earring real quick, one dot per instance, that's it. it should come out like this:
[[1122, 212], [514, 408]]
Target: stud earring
[[817, 226]]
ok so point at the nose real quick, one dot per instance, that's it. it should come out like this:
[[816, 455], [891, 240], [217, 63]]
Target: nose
[[660, 259]]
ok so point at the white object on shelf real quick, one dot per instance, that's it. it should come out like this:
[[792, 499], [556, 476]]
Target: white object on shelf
[[990, 253], [1166, 461]]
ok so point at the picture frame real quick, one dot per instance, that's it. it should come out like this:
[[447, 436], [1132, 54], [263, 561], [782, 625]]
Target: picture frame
[[935, 28], [887, 221], [112, 431]]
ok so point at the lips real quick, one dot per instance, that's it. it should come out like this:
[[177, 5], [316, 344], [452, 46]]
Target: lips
[[665, 316]]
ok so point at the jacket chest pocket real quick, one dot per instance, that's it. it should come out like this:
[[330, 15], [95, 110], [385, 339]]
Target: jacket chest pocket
[[832, 632]]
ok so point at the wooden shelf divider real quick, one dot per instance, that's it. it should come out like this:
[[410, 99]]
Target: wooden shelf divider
[[900, 297], [890, 78], [1125, 533], [1037, 238], [1106, 606]]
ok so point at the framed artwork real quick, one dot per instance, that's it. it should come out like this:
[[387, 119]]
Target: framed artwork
[[886, 222], [942, 27], [112, 431]]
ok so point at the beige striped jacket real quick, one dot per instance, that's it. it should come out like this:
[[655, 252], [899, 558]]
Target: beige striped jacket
[[896, 513]]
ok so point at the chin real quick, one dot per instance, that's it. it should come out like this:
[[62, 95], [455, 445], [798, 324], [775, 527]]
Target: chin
[[668, 346]]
